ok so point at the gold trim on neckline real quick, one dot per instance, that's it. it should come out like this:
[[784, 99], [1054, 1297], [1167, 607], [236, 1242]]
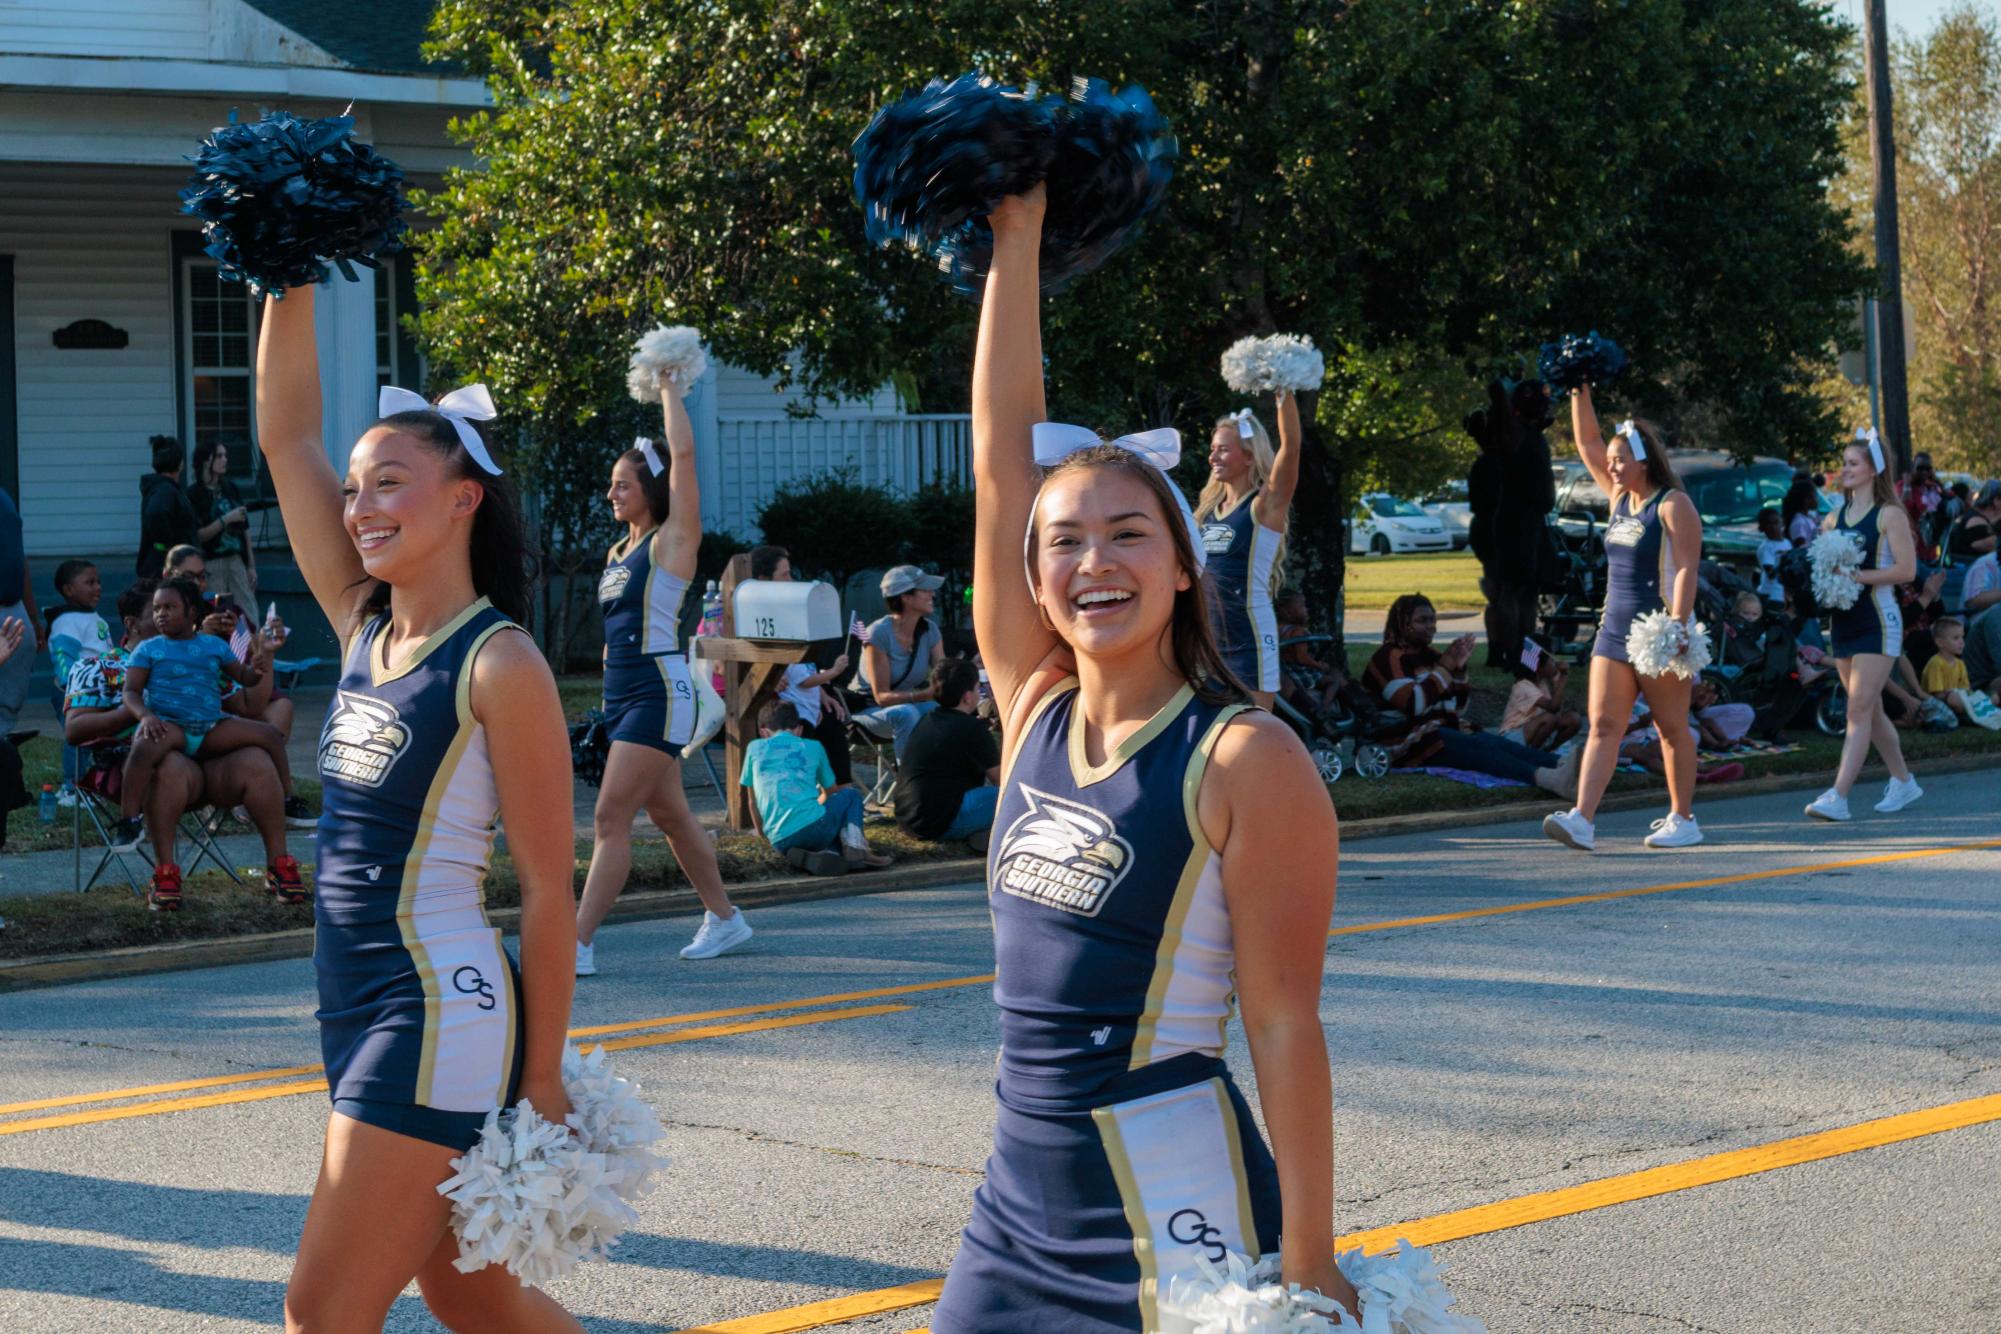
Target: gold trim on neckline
[[1083, 773], [378, 664]]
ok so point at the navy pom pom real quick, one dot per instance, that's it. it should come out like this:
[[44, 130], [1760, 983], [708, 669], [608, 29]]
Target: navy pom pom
[[1574, 360], [929, 169], [281, 199]]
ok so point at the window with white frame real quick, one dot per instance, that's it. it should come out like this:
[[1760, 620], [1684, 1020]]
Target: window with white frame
[[389, 345], [218, 332]]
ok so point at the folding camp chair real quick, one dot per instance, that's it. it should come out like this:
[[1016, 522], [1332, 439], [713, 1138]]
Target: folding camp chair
[[876, 735], [97, 800]]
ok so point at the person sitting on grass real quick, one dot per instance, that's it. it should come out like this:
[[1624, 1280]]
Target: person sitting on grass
[[1715, 727], [1535, 715], [1945, 677], [173, 687], [945, 787], [794, 801], [94, 711]]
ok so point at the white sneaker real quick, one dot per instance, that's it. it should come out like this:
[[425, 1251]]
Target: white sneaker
[[717, 935], [1674, 831], [587, 960], [1829, 805], [1568, 827], [1899, 793]]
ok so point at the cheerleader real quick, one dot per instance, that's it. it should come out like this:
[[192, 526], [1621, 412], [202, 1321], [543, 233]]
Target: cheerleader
[[1159, 848], [1869, 636], [446, 722], [1652, 544], [1242, 510], [649, 695]]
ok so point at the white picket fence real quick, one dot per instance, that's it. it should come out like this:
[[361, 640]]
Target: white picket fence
[[758, 453]]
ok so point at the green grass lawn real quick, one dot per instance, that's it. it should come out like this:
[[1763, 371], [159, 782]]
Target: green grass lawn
[[1449, 579]]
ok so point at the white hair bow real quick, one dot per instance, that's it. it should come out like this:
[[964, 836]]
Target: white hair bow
[[1632, 434], [1242, 417], [1161, 447], [462, 407], [1867, 435], [654, 464]]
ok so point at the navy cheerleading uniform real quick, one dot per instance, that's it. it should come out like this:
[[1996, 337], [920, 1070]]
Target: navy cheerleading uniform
[[1241, 553], [1122, 1150], [1875, 624], [649, 697], [1639, 571], [419, 1003]]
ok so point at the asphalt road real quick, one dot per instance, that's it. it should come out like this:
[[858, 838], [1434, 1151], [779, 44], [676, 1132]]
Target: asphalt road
[[1650, 1044]]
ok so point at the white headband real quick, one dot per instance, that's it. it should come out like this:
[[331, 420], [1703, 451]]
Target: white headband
[[653, 463], [1867, 435], [1161, 447], [462, 407], [1242, 417], [1632, 434]]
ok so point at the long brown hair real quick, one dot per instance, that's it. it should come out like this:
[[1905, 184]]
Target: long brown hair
[[1883, 488], [1191, 639], [651, 484], [1659, 466]]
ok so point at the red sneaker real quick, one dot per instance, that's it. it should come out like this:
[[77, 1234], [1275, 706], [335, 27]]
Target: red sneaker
[[282, 879], [166, 895]]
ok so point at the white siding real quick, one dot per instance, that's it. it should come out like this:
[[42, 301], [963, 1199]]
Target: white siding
[[89, 244], [739, 390], [158, 29], [755, 455]]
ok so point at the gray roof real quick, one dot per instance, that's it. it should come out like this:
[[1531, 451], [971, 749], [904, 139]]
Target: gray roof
[[383, 36]]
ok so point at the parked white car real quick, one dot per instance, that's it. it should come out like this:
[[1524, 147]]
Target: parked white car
[[1449, 506], [1383, 524]]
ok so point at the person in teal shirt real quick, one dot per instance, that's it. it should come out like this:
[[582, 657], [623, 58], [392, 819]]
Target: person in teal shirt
[[795, 802]]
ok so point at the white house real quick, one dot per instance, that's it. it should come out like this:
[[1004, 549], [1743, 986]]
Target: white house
[[114, 327]]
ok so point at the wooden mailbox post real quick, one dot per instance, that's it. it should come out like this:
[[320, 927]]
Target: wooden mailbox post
[[753, 670]]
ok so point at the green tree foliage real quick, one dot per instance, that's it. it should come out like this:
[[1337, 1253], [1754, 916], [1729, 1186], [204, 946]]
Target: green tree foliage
[[1946, 90], [1429, 188], [835, 527]]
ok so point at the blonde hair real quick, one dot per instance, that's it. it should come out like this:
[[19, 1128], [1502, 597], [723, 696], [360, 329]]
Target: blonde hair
[[1883, 487], [1263, 459]]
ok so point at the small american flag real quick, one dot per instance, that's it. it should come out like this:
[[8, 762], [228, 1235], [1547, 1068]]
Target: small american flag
[[855, 627], [239, 640]]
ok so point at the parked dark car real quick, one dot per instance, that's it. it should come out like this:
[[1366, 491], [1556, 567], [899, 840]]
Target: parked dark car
[[1727, 493]]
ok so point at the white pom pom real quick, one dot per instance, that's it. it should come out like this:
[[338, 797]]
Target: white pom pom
[[540, 1198], [1282, 361], [1835, 557], [1400, 1293], [1657, 644], [666, 356]]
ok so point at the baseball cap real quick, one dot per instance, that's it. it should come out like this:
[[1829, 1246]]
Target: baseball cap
[[903, 578]]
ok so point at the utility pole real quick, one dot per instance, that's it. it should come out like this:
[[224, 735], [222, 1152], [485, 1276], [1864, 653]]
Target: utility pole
[[1889, 305]]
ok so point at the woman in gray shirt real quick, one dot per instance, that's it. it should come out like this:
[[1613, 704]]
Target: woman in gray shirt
[[898, 652]]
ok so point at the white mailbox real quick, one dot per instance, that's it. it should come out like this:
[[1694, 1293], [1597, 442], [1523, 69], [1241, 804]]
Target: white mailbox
[[767, 609]]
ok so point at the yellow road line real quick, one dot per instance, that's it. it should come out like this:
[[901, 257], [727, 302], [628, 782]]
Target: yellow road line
[[1573, 900], [223, 1081], [166, 1106], [1487, 1218]]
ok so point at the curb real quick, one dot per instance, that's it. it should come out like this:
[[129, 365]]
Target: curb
[[133, 961]]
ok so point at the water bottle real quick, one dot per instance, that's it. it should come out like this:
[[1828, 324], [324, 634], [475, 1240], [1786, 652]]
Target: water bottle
[[48, 805], [712, 626]]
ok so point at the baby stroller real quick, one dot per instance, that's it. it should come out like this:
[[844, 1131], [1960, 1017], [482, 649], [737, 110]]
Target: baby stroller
[[1573, 600], [1337, 736]]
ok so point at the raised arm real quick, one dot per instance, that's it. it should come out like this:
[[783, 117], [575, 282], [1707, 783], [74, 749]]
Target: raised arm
[[679, 541], [1007, 402], [1275, 496], [289, 434], [1590, 440]]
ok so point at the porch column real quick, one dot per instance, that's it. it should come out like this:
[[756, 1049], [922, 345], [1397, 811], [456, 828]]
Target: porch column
[[344, 316]]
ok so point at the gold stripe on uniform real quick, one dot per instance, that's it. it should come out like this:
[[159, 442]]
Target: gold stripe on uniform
[[413, 864], [1233, 1136], [1042, 706], [1184, 895], [1084, 773], [667, 685], [1134, 1203]]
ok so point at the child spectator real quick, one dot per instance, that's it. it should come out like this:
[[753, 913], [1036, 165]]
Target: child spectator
[[173, 687], [76, 632], [1318, 678], [1773, 545], [796, 804], [1535, 715], [945, 787], [1945, 677]]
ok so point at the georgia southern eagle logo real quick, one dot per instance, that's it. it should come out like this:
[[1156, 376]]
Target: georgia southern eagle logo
[[1062, 855], [613, 582], [362, 739]]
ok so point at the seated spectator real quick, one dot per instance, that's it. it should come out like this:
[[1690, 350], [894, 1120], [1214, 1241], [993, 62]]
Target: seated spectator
[[1945, 678], [1768, 669], [1772, 545], [1973, 533], [76, 631], [1978, 597], [13, 792], [1305, 672], [1535, 715], [898, 653], [95, 712], [795, 803], [945, 787], [1430, 691], [173, 687], [808, 688], [1723, 727]]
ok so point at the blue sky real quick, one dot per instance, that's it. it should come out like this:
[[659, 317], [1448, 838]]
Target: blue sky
[[1911, 16]]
